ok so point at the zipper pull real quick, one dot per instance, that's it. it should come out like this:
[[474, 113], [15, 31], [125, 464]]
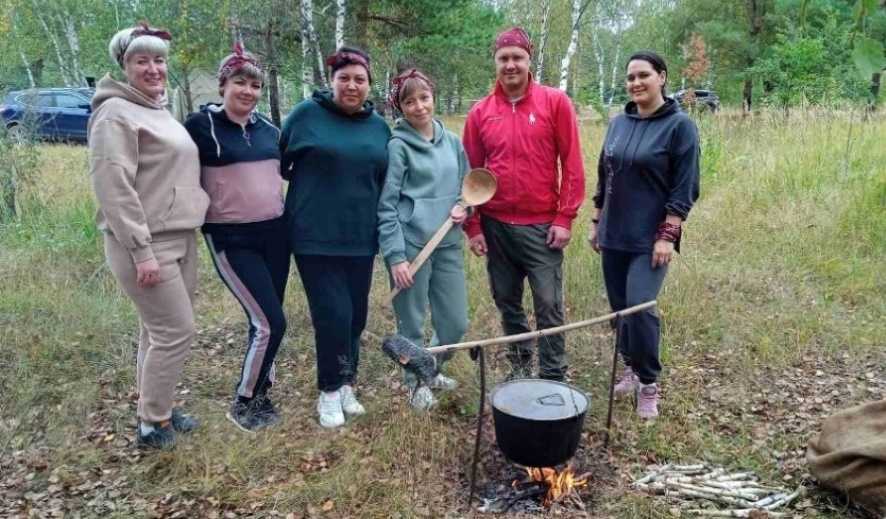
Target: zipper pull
[[247, 138], [513, 107]]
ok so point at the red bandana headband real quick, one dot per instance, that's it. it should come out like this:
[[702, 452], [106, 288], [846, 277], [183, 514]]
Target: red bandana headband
[[514, 37], [236, 62], [143, 29], [344, 58], [397, 86]]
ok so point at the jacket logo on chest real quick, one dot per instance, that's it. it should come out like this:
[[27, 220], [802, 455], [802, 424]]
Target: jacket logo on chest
[[531, 118]]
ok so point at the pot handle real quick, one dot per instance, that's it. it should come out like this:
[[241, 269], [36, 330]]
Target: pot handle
[[552, 399]]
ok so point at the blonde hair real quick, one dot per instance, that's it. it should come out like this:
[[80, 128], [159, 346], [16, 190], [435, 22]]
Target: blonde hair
[[123, 44], [247, 70]]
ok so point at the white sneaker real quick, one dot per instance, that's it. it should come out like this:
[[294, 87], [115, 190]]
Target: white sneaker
[[422, 399], [329, 408], [349, 403], [441, 381]]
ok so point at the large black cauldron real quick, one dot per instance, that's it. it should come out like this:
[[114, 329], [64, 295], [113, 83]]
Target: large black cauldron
[[538, 422]]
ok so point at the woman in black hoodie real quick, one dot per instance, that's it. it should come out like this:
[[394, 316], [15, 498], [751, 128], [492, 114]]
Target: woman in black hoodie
[[648, 179]]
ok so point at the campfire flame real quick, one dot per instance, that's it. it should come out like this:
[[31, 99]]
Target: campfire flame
[[559, 484]]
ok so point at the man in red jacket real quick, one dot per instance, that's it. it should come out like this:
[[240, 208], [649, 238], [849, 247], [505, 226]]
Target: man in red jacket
[[527, 135]]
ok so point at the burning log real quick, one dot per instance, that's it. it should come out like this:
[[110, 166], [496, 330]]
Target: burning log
[[559, 484]]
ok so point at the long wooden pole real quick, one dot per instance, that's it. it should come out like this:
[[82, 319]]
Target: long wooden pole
[[507, 339]]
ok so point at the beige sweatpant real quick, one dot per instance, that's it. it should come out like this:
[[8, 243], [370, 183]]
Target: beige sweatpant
[[166, 317]]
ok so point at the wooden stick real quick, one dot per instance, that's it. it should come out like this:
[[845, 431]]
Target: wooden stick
[[507, 339], [423, 255]]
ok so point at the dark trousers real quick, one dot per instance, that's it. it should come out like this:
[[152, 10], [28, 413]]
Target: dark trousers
[[515, 253], [253, 262], [337, 288], [631, 280]]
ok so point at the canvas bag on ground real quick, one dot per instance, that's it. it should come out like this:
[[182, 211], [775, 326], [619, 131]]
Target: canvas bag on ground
[[850, 454]]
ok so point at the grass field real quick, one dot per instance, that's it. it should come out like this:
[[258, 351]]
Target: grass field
[[773, 319]]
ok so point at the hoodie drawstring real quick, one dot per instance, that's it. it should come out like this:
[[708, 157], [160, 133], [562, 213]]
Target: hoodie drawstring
[[212, 132]]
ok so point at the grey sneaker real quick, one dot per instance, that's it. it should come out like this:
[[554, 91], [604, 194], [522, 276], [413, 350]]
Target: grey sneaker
[[183, 422], [441, 381], [647, 401], [349, 403], [267, 411], [330, 410], [422, 399], [162, 438], [250, 416]]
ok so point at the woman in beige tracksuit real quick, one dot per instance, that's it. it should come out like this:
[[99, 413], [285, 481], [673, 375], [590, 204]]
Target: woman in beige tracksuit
[[146, 175]]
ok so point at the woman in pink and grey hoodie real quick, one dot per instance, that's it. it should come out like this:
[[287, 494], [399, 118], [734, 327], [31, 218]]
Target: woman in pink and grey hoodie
[[240, 162], [146, 177]]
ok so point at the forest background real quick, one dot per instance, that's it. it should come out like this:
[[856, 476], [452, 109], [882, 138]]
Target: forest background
[[751, 52]]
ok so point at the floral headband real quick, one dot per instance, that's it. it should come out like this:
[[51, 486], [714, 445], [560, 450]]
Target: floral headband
[[233, 64], [397, 86]]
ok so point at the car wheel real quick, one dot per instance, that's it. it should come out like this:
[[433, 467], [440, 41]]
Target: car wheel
[[17, 134]]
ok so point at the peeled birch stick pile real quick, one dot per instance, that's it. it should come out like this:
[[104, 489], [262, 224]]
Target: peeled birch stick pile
[[739, 492]]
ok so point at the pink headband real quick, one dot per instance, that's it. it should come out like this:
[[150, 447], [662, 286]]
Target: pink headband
[[513, 37]]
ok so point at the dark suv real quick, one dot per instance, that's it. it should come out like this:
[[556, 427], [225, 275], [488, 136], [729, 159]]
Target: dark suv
[[704, 99], [49, 113]]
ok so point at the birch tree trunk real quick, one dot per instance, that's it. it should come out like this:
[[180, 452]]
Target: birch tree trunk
[[340, 12], [601, 74], [24, 57], [540, 64], [307, 70], [615, 68], [62, 67], [74, 45], [577, 10]]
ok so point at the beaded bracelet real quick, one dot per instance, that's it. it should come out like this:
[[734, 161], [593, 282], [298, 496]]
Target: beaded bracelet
[[668, 232]]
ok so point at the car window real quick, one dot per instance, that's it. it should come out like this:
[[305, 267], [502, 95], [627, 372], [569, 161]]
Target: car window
[[46, 100], [68, 101]]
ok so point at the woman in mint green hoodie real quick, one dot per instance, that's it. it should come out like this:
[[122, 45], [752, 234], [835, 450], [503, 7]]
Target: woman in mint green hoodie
[[426, 165]]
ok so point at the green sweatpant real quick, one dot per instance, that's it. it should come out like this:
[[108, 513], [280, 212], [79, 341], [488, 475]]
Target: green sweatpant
[[440, 284], [515, 253]]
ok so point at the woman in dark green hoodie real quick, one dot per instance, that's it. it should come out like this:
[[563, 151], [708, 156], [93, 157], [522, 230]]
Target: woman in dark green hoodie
[[648, 180], [334, 153], [426, 165]]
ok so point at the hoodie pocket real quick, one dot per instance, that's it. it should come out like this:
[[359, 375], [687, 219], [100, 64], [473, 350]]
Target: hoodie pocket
[[427, 216], [187, 209]]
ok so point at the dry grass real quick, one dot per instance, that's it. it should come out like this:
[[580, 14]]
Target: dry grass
[[782, 278]]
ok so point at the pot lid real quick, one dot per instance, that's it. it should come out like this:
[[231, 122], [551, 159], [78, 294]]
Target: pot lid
[[537, 399]]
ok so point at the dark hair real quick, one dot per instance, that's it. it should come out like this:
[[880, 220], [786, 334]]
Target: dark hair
[[345, 56], [657, 62]]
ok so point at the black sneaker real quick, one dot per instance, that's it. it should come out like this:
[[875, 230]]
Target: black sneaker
[[182, 422], [267, 411], [162, 438], [252, 415]]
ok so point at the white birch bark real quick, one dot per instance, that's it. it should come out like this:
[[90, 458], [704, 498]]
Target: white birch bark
[[62, 66], [340, 12], [27, 65], [601, 71], [74, 44], [540, 64], [573, 43], [307, 70], [615, 75]]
